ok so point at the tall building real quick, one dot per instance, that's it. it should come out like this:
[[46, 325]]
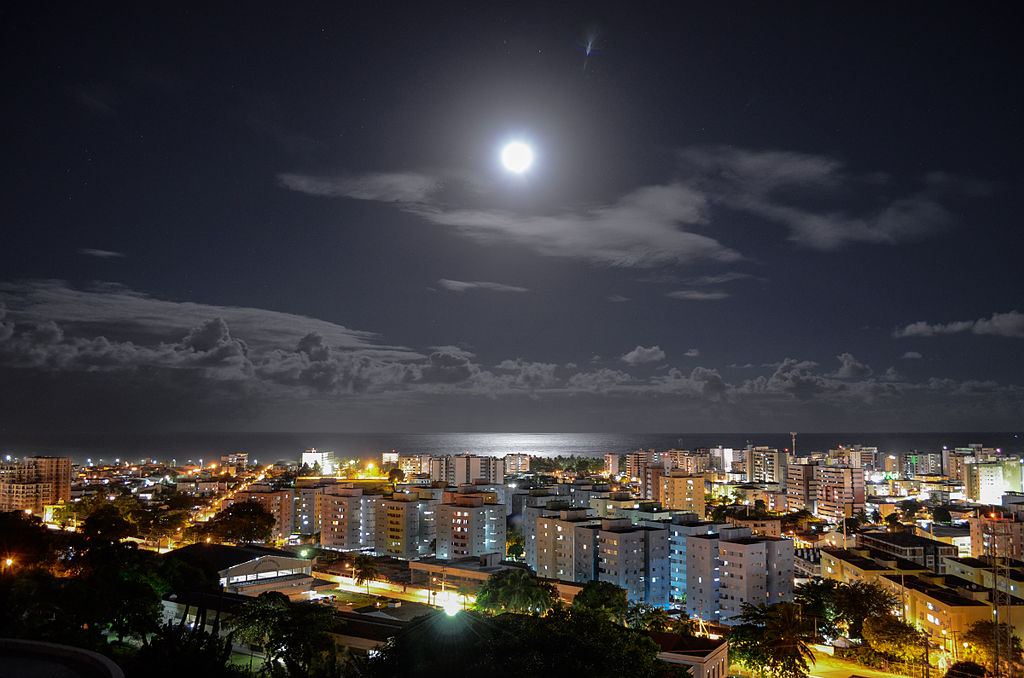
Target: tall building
[[325, 460], [558, 555], [754, 570], [839, 492], [342, 518], [800, 488], [34, 482], [682, 491], [414, 463], [279, 503], [766, 465], [635, 557], [467, 526], [308, 509], [681, 527], [467, 468], [611, 464], [517, 463], [405, 525], [703, 567]]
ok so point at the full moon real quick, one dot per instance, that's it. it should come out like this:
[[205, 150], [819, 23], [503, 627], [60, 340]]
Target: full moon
[[517, 157]]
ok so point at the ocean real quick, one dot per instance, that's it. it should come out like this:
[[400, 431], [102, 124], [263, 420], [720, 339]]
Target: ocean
[[270, 447]]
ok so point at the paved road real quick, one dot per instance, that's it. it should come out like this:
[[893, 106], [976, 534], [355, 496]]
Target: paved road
[[826, 666]]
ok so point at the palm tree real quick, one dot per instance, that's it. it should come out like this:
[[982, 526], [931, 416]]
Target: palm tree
[[646, 617], [364, 569], [515, 590], [295, 634]]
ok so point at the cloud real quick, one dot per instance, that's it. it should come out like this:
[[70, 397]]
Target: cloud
[[698, 295], [641, 355], [120, 313], [643, 228], [912, 355], [780, 185], [617, 298], [851, 368], [101, 254], [403, 187], [692, 353], [1010, 324], [461, 286]]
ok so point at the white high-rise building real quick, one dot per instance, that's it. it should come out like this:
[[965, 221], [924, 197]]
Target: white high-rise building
[[754, 570], [467, 468], [342, 518], [325, 460]]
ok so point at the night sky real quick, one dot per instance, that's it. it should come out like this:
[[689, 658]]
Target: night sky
[[741, 217]]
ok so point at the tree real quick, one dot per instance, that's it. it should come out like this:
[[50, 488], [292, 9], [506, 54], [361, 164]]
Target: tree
[[817, 598], [773, 640], [244, 523], [396, 475], [604, 599], [893, 637], [981, 637], [108, 524], [515, 590], [859, 600], [364, 569], [568, 641], [515, 545], [892, 520], [909, 507], [644, 617], [292, 634], [941, 514]]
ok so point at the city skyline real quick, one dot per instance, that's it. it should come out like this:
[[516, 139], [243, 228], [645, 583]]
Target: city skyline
[[738, 218]]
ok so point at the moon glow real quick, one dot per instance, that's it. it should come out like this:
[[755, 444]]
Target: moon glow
[[516, 157]]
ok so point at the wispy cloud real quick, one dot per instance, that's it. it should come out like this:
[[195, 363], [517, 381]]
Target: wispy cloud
[[698, 295], [404, 187], [101, 254], [1010, 324], [617, 298], [461, 286], [642, 355], [780, 185], [643, 228], [692, 353], [912, 355]]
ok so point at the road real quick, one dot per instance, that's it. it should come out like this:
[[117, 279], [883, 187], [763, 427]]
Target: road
[[397, 591], [827, 666]]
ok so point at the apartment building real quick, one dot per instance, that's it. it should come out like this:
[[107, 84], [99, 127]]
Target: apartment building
[[681, 527], [405, 525], [839, 492], [682, 491], [279, 503], [800, 488], [635, 558], [754, 570], [31, 484], [703, 566], [466, 468], [468, 526], [342, 518], [558, 555]]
